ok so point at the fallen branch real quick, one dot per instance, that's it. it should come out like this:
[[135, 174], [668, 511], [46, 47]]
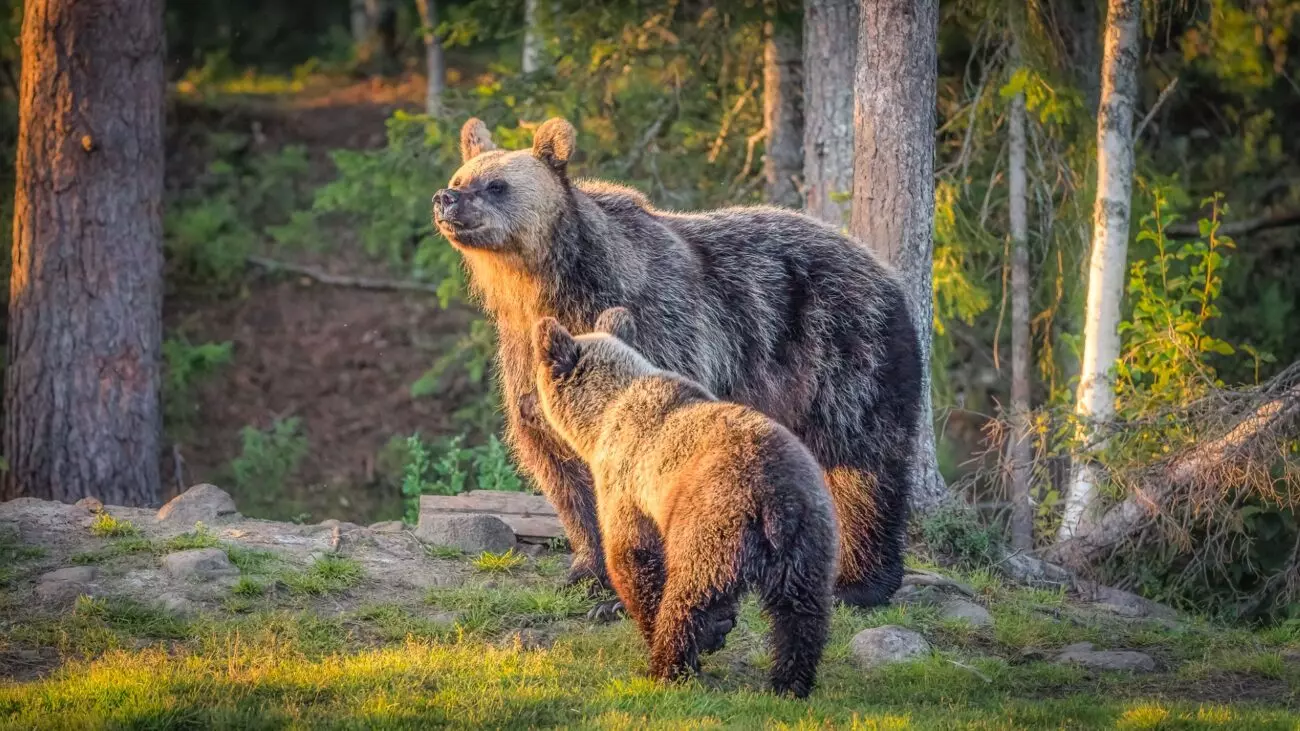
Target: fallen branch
[[1237, 228], [1160, 100], [340, 280], [651, 133]]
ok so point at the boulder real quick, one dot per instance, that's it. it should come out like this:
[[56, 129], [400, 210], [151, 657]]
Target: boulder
[[965, 611], [205, 503], [1083, 655], [469, 532], [199, 563], [92, 504], [67, 583], [880, 646]]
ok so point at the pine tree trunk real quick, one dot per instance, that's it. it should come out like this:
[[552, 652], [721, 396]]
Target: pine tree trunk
[[532, 37], [1095, 402], [85, 313], [830, 47], [782, 112], [1020, 451], [893, 176], [434, 69]]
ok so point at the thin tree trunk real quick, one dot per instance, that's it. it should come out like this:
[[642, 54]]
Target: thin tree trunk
[[85, 313], [1095, 402], [782, 113], [1020, 452], [830, 47], [532, 37], [893, 176], [434, 69]]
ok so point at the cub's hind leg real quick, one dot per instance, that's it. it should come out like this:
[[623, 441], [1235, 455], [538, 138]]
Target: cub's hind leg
[[634, 557]]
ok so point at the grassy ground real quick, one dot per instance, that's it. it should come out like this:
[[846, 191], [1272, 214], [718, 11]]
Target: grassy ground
[[511, 649]]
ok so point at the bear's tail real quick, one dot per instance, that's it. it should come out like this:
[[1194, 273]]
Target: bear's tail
[[795, 592]]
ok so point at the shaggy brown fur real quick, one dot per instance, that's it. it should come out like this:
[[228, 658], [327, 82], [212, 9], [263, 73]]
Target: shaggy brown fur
[[762, 306], [698, 501]]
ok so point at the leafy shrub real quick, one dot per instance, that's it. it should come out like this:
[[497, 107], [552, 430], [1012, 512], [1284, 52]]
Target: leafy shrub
[[185, 367], [955, 532], [105, 525], [269, 458], [450, 469]]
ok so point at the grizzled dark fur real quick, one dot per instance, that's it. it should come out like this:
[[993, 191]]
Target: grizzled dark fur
[[699, 500], [762, 306]]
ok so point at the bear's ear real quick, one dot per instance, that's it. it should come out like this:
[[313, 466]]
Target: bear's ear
[[555, 143], [617, 321], [554, 347], [475, 139]]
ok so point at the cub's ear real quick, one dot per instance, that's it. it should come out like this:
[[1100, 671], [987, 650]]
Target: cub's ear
[[617, 321], [475, 139], [555, 143], [554, 347]]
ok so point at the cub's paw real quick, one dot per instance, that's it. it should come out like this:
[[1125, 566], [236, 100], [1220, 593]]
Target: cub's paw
[[610, 611], [588, 574]]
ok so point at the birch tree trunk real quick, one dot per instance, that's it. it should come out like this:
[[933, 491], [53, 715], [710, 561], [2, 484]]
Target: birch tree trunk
[[1095, 402], [1020, 449], [782, 113], [532, 37], [82, 412], [893, 176], [433, 66], [830, 48]]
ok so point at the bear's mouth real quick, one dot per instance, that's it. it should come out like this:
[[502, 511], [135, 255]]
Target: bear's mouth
[[477, 236]]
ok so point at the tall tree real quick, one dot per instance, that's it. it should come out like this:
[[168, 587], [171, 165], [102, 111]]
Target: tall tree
[[532, 37], [830, 51], [433, 65], [1095, 402], [893, 175], [782, 108], [85, 311], [1020, 448]]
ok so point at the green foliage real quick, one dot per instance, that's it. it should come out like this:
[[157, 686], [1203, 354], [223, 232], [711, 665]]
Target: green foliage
[[248, 587], [955, 532], [449, 469], [185, 367], [106, 526], [200, 537], [498, 563], [268, 459], [327, 575]]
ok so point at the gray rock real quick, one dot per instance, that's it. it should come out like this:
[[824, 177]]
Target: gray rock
[[880, 646], [1107, 659], [913, 595], [969, 612], [471, 533], [388, 526], [199, 563], [92, 504], [178, 604], [342, 525], [206, 503], [67, 583], [1079, 647], [531, 549]]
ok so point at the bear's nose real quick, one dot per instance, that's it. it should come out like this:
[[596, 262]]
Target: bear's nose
[[446, 197]]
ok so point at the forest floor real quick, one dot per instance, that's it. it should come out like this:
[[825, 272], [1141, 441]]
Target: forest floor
[[339, 626]]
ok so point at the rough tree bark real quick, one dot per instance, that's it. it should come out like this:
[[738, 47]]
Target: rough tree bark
[[830, 48], [1095, 402], [433, 66], [85, 313], [532, 37], [893, 176], [1020, 452], [782, 111]]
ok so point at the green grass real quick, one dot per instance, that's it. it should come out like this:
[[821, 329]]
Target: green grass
[[327, 575], [498, 563], [443, 552], [106, 526], [200, 537], [248, 587]]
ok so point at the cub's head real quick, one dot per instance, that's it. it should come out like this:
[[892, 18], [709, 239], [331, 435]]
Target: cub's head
[[502, 201], [578, 377]]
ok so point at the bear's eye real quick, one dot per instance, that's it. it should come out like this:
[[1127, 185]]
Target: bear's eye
[[455, 182], [496, 187]]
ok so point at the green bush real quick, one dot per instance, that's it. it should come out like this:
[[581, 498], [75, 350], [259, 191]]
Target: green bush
[[449, 469], [185, 366], [268, 460]]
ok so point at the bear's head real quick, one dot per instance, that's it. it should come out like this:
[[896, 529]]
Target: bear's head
[[506, 201], [579, 377]]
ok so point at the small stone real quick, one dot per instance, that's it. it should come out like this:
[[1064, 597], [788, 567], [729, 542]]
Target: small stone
[[342, 525], [880, 646], [969, 612], [199, 563], [1079, 647], [388, 526], [531, 549], [90, 503], [67, 583], [471, 533], [1108, 660], [201, 503], [177, 604], [913, 595]]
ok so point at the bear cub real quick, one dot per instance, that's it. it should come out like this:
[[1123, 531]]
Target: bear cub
[[698, 501]]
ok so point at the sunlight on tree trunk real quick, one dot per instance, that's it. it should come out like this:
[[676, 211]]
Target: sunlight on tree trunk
[[532, 37], [1095, 402], [830, 29], [893, 177], [782, 114], [1020, 451], [432, 56], [82, 412]]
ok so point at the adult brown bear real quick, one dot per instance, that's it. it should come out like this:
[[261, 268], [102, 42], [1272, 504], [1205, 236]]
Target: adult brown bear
[[762, 306]]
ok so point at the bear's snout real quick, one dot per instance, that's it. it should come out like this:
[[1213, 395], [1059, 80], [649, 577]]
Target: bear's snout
[[445, 200]]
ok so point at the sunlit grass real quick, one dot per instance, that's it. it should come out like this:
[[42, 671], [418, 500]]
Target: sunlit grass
[[106, 526], [498, 563]]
